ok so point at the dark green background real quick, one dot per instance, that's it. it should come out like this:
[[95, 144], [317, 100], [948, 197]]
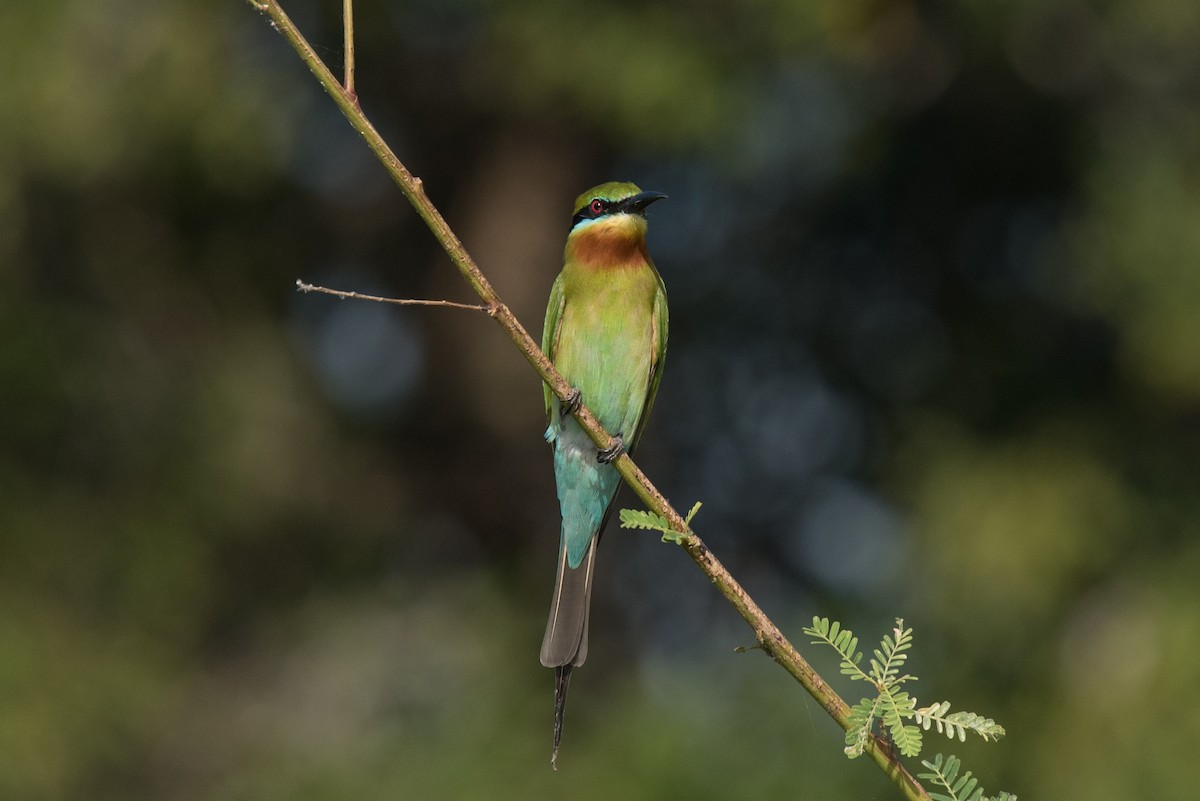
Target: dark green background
[[934, 272]]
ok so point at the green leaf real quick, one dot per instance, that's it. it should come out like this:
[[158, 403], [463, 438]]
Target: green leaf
[[957, 724], [841, 640], [651, 521], [637, 518], [861, 721], [943, 772], [907, 738], [895, 709], [885, 667]]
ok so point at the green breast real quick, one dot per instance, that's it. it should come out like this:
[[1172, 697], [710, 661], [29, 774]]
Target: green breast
[[606, 341]]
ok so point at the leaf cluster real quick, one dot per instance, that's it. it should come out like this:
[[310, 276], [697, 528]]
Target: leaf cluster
[[896, 710], [652, 521], [892, 706]]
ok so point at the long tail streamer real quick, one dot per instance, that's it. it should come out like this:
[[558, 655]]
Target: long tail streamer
[[562, 677]]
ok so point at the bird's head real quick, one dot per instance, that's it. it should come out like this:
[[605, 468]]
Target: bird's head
[[610, 218], [616, 204]]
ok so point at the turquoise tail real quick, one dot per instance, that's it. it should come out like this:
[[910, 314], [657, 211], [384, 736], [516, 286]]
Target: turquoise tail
[[585, 492]]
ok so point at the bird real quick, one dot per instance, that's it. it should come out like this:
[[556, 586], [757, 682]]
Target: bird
[[606, 333]]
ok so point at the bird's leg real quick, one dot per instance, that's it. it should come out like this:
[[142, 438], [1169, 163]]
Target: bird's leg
[[572, 403], [606, 455]]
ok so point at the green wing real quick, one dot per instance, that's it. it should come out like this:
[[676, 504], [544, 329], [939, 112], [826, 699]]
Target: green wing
[[550, 333], [660, 355]]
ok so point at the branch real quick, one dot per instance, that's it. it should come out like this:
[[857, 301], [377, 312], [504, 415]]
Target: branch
[[769, 637], [341, 293], [348, 49]]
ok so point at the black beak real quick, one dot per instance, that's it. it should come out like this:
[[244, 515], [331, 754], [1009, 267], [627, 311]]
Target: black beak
[[638, 203]]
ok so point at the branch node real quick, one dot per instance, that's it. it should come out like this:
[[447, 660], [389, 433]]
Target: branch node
[[766, 643]]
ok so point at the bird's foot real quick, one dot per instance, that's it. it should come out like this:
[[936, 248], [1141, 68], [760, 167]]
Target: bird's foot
[[607, 455], [572, 403]]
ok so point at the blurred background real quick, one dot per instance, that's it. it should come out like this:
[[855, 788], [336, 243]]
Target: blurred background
[[934, 272]]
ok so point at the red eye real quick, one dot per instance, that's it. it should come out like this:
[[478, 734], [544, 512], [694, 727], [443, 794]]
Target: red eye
[[596, 206]]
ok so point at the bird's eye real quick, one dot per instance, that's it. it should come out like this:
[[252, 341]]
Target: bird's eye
[[596, 207]]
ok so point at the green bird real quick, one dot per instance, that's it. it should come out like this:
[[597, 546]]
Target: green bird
[[606, 332]]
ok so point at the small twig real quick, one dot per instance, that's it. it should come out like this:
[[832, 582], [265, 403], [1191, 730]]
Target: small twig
[[341, 293], [348, 48]]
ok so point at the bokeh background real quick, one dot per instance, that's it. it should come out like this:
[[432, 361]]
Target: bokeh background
[[934, 271]]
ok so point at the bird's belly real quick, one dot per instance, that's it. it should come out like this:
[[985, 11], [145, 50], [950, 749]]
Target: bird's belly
[[608, 358]]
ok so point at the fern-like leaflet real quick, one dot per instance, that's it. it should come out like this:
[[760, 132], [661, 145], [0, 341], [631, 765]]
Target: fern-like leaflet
[[890, 656], [897, 706], [943, 772], [957, 724], [841, 640]]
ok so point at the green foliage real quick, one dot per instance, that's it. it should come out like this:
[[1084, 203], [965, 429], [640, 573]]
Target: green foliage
[[957, 724], [858, 732], [651, 521], [893, 707], [943, 772], [885, 667]]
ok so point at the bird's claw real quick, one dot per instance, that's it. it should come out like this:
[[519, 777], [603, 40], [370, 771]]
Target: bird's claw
[[607, 455], [572, 403]]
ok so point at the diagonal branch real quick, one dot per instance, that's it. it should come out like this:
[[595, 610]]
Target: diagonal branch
[[769, 637]]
